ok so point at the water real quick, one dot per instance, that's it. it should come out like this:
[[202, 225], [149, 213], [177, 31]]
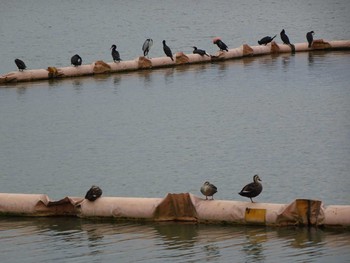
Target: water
[[75, 240], [152, 132]]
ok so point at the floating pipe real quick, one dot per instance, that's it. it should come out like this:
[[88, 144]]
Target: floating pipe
[[100, 66], [183, 207]]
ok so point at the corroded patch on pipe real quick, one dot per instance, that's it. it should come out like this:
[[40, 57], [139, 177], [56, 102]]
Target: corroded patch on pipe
[[176, 207], [320, 44], [53, 72], [101, 67], [63, 207], [220, 55], [181, 58], [255, 215], [144, 62], [309, 211], [274, 47], [301, 212], [247, 50]]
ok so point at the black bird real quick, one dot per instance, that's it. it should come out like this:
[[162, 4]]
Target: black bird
[[167, 51], [93, 193], [20, 64], [310, 38], [286, 41], [253, 189], [208, 189], [284, 37], [115, 54], [200, 52], [266, 40], [220, 44], [76, 60], [147, 46]]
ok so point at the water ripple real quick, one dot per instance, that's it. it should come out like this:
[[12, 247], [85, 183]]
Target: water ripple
[[79, 240]]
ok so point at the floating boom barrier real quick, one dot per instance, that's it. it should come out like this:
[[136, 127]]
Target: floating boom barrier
[[182, 207], [140, 63]]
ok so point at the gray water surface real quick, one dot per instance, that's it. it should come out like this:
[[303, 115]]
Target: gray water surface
[[75, 240], [148, 133]]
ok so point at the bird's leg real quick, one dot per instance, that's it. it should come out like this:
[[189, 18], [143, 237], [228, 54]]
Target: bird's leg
[[206, 197]]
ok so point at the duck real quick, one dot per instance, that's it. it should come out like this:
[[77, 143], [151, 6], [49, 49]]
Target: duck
[[310, 38], [208, 189], [220, 44], [93, 193], [284, 37], [266, 40], [167, 50], [20, 64], [252, 189], [147, 46], [199, 51], [115, 54], [76, 60]]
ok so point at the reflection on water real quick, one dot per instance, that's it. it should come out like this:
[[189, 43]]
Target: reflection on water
[[107, 239], [255, 238], [176, 237]]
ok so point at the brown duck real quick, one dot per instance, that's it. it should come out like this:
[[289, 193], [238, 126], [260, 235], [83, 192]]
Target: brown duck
[[208, 189], [253, 189]]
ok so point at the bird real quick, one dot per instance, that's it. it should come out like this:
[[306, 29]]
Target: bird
[[208, 189], [93, 193], [76, 60], [266, 40], [284, 37], [252, 189], [167, 51], [310, 38], [20, 64], [220, 44], [115, 54], [200, 51], [147, 46]]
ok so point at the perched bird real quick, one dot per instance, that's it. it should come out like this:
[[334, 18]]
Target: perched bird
[[20, 64], [76, 60], [167, 51], [115, 54], [147, 46], [220, 44], [284, 37], [208, 189], [310, 38], [253, 189], [266, 40], [93, 193], [200, 52]]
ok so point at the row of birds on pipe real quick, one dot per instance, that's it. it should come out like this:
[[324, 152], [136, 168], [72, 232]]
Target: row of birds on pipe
[[251, 190], [76, 60]]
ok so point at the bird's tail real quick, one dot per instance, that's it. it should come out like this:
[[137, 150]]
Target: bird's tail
[[273, 37], [172, 58], [292, 47]]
